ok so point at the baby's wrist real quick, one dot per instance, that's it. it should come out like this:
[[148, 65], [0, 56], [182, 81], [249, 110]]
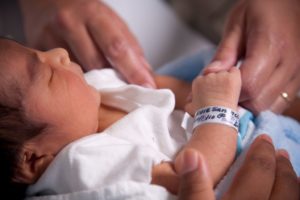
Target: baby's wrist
[[217, 114], [232, 106]]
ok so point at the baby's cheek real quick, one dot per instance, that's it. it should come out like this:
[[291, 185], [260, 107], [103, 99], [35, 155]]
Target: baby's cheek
[[39, 111]]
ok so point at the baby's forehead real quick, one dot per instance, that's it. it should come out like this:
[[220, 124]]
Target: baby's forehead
[[10, 48], [13, 58], [7, 45]]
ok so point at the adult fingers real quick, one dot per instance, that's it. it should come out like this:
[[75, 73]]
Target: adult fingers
[[286, 183], [299, 186], [269, 92], [83, 47], [119, 47], [255, 178], [261, 59], [270, 96], [195, 183], [230, 47], [67, 27], [282, 101], [49, 41]]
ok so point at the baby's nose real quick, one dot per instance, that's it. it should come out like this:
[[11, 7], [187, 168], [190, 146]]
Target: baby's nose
[[59, 56]]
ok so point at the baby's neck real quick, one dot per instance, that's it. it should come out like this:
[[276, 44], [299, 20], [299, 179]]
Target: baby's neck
[[107, 116]]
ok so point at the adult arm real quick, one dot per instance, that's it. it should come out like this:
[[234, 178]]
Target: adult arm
[[265, 34], [92, 33]]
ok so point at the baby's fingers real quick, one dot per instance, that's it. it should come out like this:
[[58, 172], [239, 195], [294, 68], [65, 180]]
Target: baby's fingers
[[234, 70]]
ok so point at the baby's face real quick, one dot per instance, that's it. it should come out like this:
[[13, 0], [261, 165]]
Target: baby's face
[[53, 92]]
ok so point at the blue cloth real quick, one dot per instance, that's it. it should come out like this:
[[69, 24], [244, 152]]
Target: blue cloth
[[285, 133], [187, 68], [244, 121]]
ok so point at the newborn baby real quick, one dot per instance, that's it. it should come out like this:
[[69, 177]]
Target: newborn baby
[[48, 111]]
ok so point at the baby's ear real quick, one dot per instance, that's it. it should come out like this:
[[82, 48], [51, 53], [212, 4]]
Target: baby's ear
[[31, 166]]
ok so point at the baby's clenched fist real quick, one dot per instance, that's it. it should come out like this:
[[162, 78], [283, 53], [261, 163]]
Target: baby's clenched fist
[[216, 89]]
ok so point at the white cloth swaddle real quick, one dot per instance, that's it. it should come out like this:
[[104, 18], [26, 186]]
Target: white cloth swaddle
[[127, 150]]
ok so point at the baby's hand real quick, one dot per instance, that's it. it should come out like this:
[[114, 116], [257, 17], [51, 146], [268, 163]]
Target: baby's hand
[[216, 89]]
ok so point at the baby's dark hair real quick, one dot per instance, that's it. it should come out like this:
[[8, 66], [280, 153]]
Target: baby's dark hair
[[15, 130]]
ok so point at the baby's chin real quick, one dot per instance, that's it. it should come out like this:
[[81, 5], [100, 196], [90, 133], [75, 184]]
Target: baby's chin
[[77, 67], [96, 94]]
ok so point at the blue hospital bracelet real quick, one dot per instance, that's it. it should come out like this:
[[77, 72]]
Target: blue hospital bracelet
[[217, 114]]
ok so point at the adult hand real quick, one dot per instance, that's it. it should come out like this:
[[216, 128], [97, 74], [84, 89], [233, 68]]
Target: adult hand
[[265, 34], [92, 33], [195, 183], [265, 174]]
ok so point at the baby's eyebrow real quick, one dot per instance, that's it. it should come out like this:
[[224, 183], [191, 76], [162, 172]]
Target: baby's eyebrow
[[32, 66]]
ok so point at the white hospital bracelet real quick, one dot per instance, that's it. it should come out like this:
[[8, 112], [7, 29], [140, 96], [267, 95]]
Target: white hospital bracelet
[[217, 114]]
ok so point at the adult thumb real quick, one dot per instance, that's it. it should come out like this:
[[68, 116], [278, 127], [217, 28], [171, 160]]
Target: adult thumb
[[195, 182]]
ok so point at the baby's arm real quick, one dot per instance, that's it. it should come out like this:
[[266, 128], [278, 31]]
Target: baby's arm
[[217, 142]]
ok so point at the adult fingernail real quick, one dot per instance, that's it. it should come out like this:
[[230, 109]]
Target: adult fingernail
[[148, 81], [284, 153], [215, 64], [213, 67], [266, 138], [190, 162]]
